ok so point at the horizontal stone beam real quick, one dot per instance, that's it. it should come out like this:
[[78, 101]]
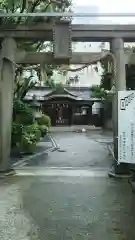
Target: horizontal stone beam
[[80, 32], [101, 32], [77, 57], [44, 32], [42, 57]]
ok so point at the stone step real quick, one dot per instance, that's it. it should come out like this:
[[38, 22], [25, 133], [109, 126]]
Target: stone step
[[63, 172]]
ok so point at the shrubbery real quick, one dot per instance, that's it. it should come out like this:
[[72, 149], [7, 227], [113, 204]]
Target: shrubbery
[[17, 131], [34, 129], [26, 133], [28, 142], [22, 113], [44, 120], [44, 129]]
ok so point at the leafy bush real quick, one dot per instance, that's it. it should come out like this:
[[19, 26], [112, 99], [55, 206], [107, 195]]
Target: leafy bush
[[22, 113], [98, 92], [34, 129], [25, 134], [31, 135], [28, 142], [17, 131], [25, 137], [44, 120], [43, 129]]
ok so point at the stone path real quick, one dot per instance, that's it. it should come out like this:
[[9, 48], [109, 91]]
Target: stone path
[[68, 196], [77, 150]]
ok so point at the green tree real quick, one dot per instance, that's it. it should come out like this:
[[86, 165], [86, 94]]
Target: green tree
[[22, 87], [25, 133], [23, 6], [98, 92]]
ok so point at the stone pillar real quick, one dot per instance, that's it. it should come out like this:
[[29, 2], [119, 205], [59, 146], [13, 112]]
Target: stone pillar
[[43, 75], [7, 74], [117, 48]]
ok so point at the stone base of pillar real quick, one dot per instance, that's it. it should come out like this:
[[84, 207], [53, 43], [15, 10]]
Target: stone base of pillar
[[8, 172], [132, 170], [132, 183], [120, 171], [132, 179]]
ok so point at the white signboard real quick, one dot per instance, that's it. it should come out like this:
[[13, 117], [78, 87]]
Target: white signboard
[[126, 126]]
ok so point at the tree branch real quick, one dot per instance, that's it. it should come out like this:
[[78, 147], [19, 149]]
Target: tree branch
[[22, 10], [47, 6], [23, 6], [13, 6], [6, 8], [34, 5], [32, 9]]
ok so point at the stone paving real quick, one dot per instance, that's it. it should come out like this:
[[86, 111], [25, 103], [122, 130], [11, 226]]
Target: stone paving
[[69, 199], [77, 150]]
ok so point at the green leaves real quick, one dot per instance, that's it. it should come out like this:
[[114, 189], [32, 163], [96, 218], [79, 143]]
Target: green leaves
[[22, 87], [44, 120], [34, 6], [98, 92]]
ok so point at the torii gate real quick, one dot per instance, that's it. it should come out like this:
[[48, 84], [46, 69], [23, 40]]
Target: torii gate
[[62, 54]]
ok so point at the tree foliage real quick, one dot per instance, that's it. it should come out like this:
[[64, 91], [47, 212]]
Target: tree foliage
[[32, 6], [25, 133], [22, 87], [98, 92], [22, 6]]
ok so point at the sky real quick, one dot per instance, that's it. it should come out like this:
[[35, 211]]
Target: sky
[[105, 6], [89, 77], [114, 6]]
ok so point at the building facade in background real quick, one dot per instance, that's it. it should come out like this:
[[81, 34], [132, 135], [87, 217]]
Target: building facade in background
[[65, 106]]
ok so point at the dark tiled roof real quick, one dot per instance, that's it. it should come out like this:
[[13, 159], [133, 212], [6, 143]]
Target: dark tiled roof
[[85, 95], [82, 93]]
